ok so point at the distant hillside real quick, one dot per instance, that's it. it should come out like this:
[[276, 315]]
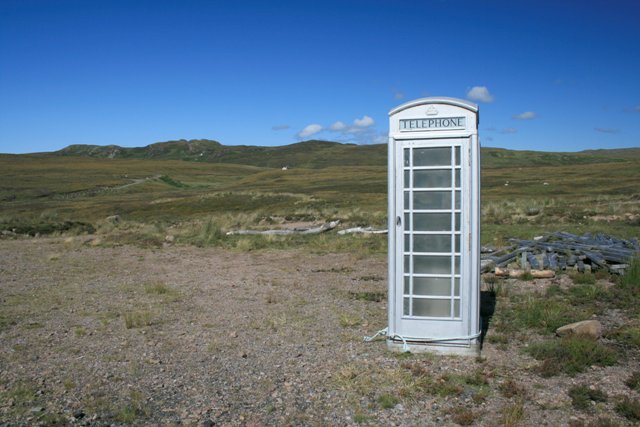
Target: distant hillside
[[500, 157], [307, 154], [320, 154]]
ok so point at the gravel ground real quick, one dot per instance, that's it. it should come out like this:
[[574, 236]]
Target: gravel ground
[[93, 335]]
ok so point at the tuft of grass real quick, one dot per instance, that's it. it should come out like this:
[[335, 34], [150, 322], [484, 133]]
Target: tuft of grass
[[137, 319], [633, 382], [462, 416], [535, 312], [510, 389], [629, 408], [512, 414], [369, 296], [349, 320], [571, 355], [627, 336], [583, 395], [582, 278], [388, 401], [360, 418], [79, 331]]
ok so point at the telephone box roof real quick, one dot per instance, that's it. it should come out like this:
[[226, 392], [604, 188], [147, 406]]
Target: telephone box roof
[[436, 100]]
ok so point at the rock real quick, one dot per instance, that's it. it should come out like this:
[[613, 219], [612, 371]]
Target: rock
[[590, 328], [78, 415], [169, 238]]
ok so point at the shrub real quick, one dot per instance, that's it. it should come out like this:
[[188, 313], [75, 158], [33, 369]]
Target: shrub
[[629, 408], [571, 355], [582, 395]]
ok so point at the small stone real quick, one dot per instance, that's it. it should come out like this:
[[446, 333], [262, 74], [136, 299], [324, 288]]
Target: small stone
[[78, 415], [590, 328]]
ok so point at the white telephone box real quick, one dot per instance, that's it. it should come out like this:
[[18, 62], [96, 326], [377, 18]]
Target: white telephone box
[[434, 229]]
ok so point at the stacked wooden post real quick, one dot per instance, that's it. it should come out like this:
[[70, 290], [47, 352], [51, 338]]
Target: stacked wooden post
[[562, 251]]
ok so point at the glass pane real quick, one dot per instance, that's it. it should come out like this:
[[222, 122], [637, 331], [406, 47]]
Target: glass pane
[[432, 307], [407, 242], [406, 264], [432, 222], [436, 156], [434, 286], [456, 308], [457, 239], [457, 265], [407, 225], [406, 200], [407, 163], [457, 178], [457, 200], [432, 178], [407, 289], [458, 156], [457, 222], [432, 200], [406, 179], [431, 243], [407, 305], [456, 287], [431, 264]]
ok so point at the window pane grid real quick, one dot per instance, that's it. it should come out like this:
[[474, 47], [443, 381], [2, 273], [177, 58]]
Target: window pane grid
[[439, 296]]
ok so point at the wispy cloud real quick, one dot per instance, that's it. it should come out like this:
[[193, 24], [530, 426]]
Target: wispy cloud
[[398, 95], [527, 115], [280, 127], [488, 138], [309, 130], [480, 93], [364, 122], [507, 131], [362, 131], [607, 130], [338, 126], [635, 109]]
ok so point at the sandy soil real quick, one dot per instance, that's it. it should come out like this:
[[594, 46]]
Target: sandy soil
[[185, 335]]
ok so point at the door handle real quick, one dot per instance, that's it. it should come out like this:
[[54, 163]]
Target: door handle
[[398, 221]]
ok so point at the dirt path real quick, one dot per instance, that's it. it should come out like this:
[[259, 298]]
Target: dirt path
[[183, 335]]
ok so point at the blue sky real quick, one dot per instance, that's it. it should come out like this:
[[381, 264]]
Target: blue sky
[[548, 75]]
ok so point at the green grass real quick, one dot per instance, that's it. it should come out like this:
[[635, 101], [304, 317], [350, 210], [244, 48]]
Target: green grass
[[201, 198], [137, 319], [582, 396], [633, 382], [388, 401], [629, 408], [570, 355]]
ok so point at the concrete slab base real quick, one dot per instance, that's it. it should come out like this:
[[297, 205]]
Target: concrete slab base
[[450, 348]]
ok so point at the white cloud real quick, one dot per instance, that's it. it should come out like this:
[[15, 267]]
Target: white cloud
[[606, 130], [309, 130], [508, 130], [364, 122], [527, 115], [338, 126], [280, 127], [398, 95], [480, 93]]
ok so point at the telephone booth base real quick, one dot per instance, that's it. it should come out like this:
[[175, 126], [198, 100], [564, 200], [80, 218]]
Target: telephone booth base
[[461, 348]]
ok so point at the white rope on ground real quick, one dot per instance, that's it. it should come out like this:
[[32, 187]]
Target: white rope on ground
[[405, 345]]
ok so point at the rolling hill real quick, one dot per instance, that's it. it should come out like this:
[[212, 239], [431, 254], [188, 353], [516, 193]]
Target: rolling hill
[[316, 154]]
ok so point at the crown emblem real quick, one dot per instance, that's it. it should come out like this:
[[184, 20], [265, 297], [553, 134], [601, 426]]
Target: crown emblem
[[432, 111]]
